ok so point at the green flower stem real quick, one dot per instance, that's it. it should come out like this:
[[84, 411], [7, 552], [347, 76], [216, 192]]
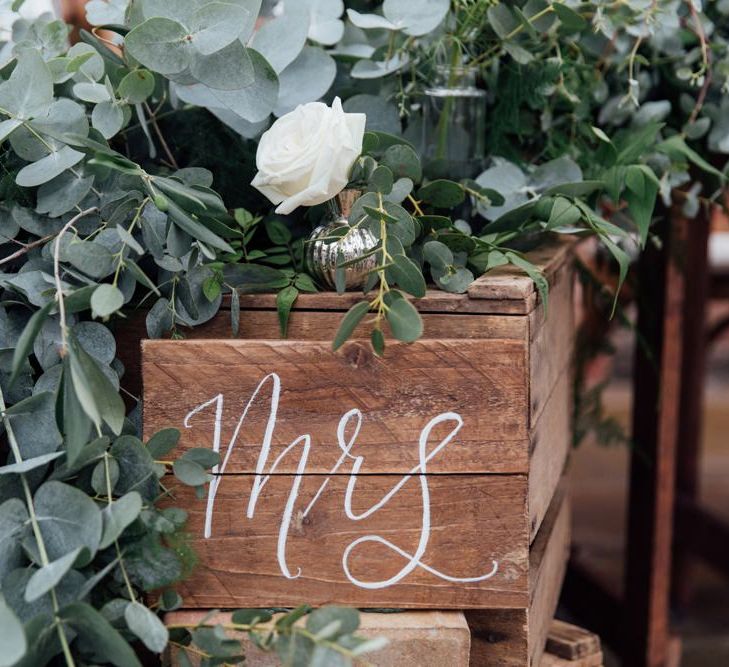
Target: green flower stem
[[379, 301], [445, 116], [15, 448]]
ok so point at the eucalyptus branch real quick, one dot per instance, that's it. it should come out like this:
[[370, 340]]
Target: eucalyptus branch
[[26, 248], [42, 551], [160, 136], [57, 275]]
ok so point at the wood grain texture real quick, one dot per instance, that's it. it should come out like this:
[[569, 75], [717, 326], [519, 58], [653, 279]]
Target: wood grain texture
[[548, 564], [570, 641], [485, 382], [549, 660], [317, 325], [510, 285], [474, 520], [515, 638], [551, 440], [551, 346]]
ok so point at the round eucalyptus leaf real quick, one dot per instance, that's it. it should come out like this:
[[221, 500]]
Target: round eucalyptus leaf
[[160, 44], [416, 17], [12, 636], [215, 25], [91, 257], [230, 68], [252, 103], [97, 340], [137, 86], [106, 12], [107, 118], [405, 322], [68, 519], [281, 40], [106, 300], [63, 193], [85, 63], [306, 79], [325, 24], [91, 92], [48, 168], [146, 625]]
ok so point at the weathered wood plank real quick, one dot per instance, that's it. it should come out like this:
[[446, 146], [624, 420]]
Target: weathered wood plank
[[551, 440], [548, 564], [322, 325], [551, 345], [509, 283], [470, 526], [515, 638], [476, 389], [571, 642]]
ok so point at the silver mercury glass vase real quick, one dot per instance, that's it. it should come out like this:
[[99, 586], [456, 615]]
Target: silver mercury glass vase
[[322, 253]]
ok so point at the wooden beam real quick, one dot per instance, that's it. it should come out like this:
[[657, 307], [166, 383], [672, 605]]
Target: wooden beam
[[657, 381]]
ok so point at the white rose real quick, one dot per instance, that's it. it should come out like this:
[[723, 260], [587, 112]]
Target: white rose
[[306, 156]]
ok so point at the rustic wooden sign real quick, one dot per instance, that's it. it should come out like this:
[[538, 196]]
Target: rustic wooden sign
[[420, 480]]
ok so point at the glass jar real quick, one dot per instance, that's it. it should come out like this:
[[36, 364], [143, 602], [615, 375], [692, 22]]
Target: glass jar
[[454, 123]]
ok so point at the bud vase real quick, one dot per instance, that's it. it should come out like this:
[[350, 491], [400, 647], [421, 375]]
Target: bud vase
[[329, 245], [454, 123]]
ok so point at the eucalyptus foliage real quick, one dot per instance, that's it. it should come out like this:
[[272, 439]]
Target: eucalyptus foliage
[[125, 162]]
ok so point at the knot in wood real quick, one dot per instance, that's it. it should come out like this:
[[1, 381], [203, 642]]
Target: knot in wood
[[357, 355]]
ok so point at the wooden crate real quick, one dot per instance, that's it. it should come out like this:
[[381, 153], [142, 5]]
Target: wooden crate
[[417, 481]]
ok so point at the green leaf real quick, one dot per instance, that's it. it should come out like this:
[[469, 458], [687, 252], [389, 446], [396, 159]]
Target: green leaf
[[534, 273], [408, 276], [203, 456], [136, 467], [24, 345], [189, 472], [380, 180], [29, 90], [403, 161], [163, 442], [91, 92], [99, 634], [137, 86], [76, 425], [147, 626], [570, 19], [48, 576], [277, 231], [563, 214], [437, 254], [118, 516], [215, 25], [251, 616], [442, 194], [195, 228], [106, 300], [12, 636], [338, 620], [404, 320], [97, 396], [377, 338], [30, 464], [107, 118], [349, 323], [68, 519], [48, 168], [14, 525], [676, 147], [641, 197], [159, 44], [285, 300]]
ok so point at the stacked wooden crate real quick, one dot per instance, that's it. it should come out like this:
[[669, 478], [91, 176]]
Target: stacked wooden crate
[[432, 478]]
